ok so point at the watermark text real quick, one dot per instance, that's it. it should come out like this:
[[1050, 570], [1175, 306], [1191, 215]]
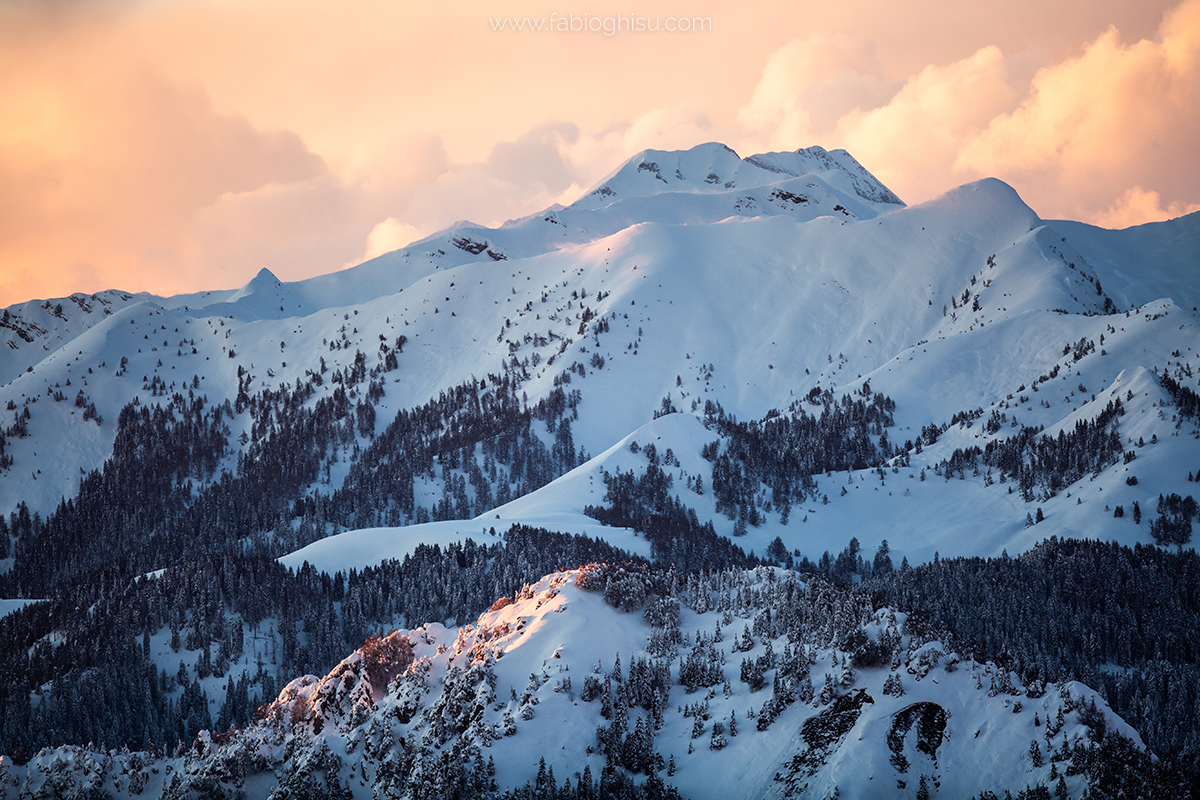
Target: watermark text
[[606, 25]]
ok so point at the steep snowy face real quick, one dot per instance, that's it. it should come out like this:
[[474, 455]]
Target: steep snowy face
[[1143, 263], [30, 331], [836, 167], [264, 297]]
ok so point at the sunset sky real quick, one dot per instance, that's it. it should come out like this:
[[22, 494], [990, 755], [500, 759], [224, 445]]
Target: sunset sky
[[174, 145]]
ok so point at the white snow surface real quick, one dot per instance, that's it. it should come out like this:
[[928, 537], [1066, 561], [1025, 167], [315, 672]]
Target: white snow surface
[[1143, 263], [740, 294], [8, 606]]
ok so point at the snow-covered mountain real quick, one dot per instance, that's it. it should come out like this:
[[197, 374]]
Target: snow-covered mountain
[[823, 183], [780, 689], [707, 362], [694, 293]]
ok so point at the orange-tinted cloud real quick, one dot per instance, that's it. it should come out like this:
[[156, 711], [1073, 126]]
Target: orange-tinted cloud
[[809, 84], [911, 140], [179, 145], [1107, 135], [1094, 126], [108, 172], [1138, 206]]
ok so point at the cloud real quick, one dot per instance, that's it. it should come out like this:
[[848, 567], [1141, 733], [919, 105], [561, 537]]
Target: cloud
[[912, 141], [1107, 134], [389, 235], [809, 84], [536, 160], [296, 229], [831, 89], [109, 174], [1138, 206], [169, 146], [129, 179], [551, 163], [517, 178], [1116, 116]]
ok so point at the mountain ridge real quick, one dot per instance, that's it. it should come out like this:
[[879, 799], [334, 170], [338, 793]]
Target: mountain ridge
[[899, 708], [220, 491]]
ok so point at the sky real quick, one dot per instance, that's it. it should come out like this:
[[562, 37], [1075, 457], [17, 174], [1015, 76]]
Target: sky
[[177, 145]]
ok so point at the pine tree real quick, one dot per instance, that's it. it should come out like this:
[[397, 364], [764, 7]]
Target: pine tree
[[882, 563]]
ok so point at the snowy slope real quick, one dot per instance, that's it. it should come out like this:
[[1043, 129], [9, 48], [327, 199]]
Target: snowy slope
[[805, 184], [512, 689], [9, 606], [686, 289], [917, 516], [682, 283], [867, 305], [30, 331], [1145, 262], [370, 546]]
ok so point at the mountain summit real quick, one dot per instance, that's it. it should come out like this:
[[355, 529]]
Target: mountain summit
[[714, 167]]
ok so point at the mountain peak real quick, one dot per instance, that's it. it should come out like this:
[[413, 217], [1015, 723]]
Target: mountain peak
[[994, 197], [714, 167], [834, 165], [264, 276]]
